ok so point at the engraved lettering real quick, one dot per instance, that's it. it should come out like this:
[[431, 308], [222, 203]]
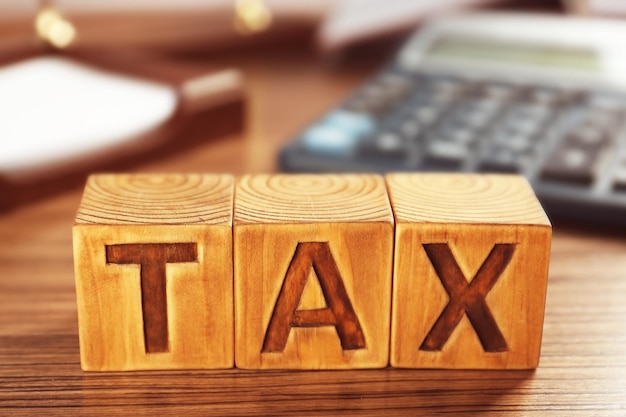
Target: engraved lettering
[[152, 258], [339, 313], [468, 298]]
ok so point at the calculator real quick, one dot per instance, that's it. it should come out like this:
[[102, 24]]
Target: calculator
[[540, 96]]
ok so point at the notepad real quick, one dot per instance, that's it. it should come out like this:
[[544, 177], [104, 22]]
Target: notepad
[[54, 109]]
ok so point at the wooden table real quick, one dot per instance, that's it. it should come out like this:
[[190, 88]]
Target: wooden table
[[583, 363]]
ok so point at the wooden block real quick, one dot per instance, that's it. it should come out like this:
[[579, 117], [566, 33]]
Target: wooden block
[[313, 263], [470, 271], [153, 266]]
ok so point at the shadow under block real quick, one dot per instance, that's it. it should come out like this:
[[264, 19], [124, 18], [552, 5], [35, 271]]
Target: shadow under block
[[153, 267], [470, 271], [313, 263]]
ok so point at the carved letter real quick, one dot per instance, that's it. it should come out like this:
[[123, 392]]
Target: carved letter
[[339, 312], [152, 258], [467, 297]]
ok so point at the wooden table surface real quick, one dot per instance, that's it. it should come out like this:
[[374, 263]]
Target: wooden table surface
[[583, 363]]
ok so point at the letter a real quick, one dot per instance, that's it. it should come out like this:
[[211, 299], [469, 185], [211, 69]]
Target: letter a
[[339, 312]]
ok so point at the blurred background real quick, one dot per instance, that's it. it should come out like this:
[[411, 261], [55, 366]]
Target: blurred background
[[249, 86]]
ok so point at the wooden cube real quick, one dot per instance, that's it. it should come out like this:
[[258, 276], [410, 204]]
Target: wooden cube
[[153, 266], [470, 271], [313, 263]]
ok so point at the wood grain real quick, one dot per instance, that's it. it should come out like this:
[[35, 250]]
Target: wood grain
[[306, 198], [132, 199], [469, 292], [153, 265], [312, 271], [467, 198]]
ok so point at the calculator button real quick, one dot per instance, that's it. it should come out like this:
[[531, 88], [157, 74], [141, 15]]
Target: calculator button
[[338, 133], [605, 120], [471, 116], [544, 96], [525, 126], [515, 142], [588, 136], [530, 112], [446, 91], [385, 145], [410, 129], [571, 163], [488, 106], [389, 142], [456, 133], [448, 86], [426, 115], [607, 102], [330, 140], [475, 119], [355, 123], [446, 151], [445, 96], [500, 159], [497, 91], [378, 97]]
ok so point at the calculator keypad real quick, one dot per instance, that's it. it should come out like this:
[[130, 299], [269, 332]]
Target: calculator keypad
[[563, 138]]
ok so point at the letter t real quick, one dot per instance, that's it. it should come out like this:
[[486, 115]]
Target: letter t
[[152, 258]]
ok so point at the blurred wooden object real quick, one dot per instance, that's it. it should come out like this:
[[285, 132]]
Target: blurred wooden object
[[470, 271], [312, 271], [153, 267], [167, 27]]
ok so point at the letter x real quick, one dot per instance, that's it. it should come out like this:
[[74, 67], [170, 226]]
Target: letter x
[[468, 298]]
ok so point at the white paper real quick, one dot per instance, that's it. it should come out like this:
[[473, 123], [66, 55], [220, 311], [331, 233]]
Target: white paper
[[53, 109]]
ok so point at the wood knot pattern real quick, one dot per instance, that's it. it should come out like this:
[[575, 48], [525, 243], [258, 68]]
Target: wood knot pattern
[[464, 198], [157, 199], [304, 198]]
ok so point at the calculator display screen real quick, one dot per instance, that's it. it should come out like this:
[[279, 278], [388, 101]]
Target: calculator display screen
[[547, 56]]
